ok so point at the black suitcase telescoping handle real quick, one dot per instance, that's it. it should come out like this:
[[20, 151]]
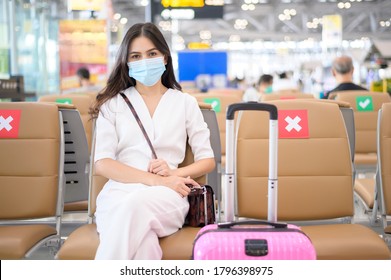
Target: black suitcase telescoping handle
[[229, 200], [252, 106]]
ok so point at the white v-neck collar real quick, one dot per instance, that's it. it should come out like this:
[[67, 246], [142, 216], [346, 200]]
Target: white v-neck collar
[[141, 108], [143, 105]]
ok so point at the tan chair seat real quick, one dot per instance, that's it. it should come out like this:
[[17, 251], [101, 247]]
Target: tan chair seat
[[77, 206], [83, 243], [360, 158], [388, 229], [365, 188], [16, 240], [179, 246], [346, 242]]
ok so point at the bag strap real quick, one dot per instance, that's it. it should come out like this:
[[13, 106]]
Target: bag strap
[[139, 123]]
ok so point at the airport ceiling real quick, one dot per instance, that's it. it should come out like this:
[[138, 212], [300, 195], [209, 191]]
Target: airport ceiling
[[267, 19]]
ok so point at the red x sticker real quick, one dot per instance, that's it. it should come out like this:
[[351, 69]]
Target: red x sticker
[[9, 123], [293, 124], [287, 97]]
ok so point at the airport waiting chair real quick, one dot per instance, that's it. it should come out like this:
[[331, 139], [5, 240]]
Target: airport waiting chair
[[84, 241], [214, 177], [82, 102], [315, 177], [366, 106], [383, 174], [219, 102], [77, 132], [348, 117], [278, 96], [31, 178]]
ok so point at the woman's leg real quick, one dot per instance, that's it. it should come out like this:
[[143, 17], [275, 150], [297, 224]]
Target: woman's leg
[[149, 248], [131, 227]]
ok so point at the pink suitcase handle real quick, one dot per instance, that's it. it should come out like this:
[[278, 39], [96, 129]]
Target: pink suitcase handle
[[252, 222]]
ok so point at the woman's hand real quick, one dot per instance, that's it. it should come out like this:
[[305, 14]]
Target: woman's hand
[[159, 167], [179, 184]]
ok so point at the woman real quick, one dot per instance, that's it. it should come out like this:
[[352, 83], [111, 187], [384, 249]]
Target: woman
[[145, 198]]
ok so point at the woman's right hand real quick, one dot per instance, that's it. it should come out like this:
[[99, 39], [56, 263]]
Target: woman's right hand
[[178, 184]]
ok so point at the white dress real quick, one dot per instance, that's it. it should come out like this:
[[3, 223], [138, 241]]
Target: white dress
[[131, 217]]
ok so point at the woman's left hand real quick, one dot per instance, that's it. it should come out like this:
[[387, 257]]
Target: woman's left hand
[[159, 167]]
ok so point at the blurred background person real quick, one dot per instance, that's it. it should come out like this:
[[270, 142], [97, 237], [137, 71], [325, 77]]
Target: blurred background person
[[85, 83], [83, 74], [342, 70], [285, 82], [264, 86]]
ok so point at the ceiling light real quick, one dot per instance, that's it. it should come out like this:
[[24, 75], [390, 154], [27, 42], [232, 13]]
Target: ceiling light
[[123, 21], [205, 34], [292, 12], [214, 2], [178, 14], [234, 38], [144, 3]]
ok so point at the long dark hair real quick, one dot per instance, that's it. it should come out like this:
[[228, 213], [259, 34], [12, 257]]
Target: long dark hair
[[119, 78]]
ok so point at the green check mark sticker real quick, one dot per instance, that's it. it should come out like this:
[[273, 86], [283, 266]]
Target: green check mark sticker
[[64, 100], [215, 103], [364, 103]]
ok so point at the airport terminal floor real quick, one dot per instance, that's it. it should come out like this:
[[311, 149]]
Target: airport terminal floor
[[282, 107]]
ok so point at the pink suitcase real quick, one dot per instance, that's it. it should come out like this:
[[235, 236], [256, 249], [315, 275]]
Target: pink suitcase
[[252, 239]]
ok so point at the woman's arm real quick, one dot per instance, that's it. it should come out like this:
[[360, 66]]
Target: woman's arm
[[196, 169], [123, 173]]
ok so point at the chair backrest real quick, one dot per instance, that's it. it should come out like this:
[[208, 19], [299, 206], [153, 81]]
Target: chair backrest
[[288, 91], [77, 127], [315, 176], [227, 91], [76, 161], [214, 177], [31, 161], [82, 102], [366, 106], [219, 104], [384, 156], [287, 96], [348, 117]]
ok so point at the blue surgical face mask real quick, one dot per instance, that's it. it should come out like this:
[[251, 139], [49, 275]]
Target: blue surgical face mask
[[269, 89], [147, 71]]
